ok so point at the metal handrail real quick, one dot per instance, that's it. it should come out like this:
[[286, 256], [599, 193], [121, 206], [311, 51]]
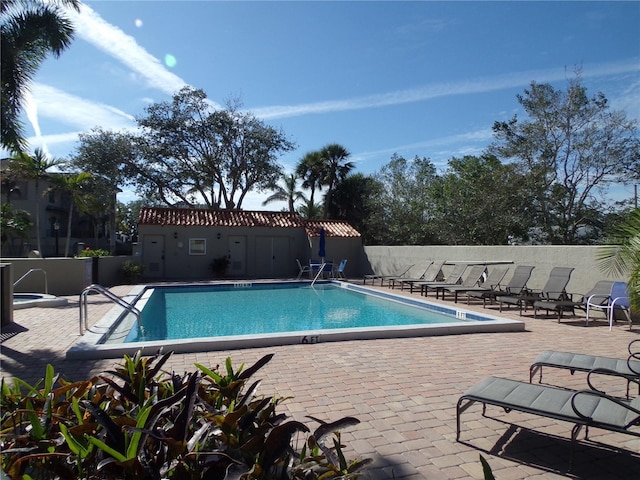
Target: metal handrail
[[320, 272], [46, 284], [111, 296]]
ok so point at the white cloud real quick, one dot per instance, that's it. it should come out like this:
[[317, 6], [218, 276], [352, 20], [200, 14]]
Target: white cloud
[[427, 92]]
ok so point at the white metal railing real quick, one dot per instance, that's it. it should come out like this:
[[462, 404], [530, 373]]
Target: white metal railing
[[320, 272], [46, 285], [111, 296]]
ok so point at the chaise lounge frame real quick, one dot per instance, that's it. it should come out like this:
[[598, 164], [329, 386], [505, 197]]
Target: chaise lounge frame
[[583, 408]]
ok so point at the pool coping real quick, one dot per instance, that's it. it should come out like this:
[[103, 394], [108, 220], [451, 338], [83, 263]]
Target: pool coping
[[90, 346]]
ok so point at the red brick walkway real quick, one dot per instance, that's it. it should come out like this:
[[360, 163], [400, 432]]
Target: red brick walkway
[[404, 391]]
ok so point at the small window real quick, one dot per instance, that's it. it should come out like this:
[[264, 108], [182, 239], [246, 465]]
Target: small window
[[197, 246]]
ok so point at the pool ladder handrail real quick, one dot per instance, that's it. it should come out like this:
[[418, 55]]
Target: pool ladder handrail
[[320, 272], [111, 296], [32, 270]]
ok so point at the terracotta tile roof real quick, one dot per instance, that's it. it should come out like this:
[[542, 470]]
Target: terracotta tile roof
[[332, 228], [241, 218]]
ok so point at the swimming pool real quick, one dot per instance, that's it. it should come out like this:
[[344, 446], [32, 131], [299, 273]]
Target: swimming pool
[[187, 318]]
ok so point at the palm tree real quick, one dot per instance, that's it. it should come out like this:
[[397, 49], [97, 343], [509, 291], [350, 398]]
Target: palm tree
[[336, 168], [30, 30], [311, 211], [310, 170], [35, 168], [622, 257], [288, 193], [73, 185]]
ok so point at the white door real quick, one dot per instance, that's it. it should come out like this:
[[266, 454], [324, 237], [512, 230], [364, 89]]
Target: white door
[[153, 256], [237, 255]]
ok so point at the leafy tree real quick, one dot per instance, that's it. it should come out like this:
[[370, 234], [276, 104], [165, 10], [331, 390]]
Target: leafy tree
[[14, 224], [334, 170], [193, 154], [110, 157], [30, 30], [479, 201], [74, 185], [34, 167], [405, 202], [310, 170], [288, 193], [353, 201], [571, 147]]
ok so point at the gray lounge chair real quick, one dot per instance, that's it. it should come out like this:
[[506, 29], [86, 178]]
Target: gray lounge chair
[[628, 369], [584, 408], [517, 284], [554, 289], [453, 278], [430, 275], [598, 296], [415, 273], [471, 280], [400, 273], [494, 277]]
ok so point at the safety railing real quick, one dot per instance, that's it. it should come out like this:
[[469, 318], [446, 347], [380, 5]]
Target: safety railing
[[33, 270], [111, 296], [320, 272]]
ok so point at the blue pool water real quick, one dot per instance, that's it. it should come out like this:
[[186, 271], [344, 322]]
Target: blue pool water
[[196, 318], [172, 313]]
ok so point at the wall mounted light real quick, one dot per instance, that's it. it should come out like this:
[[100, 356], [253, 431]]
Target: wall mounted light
[[219, 236], [175, 235]]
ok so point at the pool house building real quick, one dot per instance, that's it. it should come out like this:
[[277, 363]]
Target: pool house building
[[194, 243]]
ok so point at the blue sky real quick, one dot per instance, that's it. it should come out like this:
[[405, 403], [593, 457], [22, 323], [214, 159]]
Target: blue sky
[[412, 78]]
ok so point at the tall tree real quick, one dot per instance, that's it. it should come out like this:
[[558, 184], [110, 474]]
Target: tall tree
[[479, 201], [35, 167], [110, 157], [406, 202], [570, 147], [29, 31], [354, 201], [288, 193], [75, 186], [194, 154], [310, 169], [335, 168]]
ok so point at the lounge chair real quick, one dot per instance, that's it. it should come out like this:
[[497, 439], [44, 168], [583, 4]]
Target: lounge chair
[[598, 296], [554, 289], [415, 271], [628, 369], [517, 284], [584, 408], [471, 280], [430, 275], [451, 279], [493, 279], [404, 272]]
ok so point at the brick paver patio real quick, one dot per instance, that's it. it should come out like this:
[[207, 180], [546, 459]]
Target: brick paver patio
[[404, 391]]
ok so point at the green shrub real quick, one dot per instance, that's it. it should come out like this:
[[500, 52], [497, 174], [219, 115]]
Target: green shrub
[[88, 252], [140, 422], [132, 271]]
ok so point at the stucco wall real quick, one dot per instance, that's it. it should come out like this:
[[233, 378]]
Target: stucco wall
[[544, 258], [268, 252], [64, 276]]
